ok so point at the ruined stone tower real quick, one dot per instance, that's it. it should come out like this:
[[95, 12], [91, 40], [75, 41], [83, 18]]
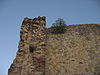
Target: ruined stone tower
[[30, 58], [76, 52]]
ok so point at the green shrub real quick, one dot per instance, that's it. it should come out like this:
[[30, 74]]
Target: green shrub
[[58, 27]]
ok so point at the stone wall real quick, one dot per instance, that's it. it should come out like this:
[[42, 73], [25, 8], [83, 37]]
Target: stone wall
[[30, 58], [76, 52]]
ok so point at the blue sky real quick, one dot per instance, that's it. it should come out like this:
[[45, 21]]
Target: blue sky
[[12, 13]]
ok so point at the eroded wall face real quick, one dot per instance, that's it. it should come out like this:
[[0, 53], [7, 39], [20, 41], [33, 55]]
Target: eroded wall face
[[77, 52], [30, 58]]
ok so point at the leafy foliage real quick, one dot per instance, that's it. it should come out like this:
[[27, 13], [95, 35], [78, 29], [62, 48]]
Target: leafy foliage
[[58, 27]]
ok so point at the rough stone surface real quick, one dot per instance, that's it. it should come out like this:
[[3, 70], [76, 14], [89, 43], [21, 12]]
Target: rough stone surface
[[30, 58], [76, 52]]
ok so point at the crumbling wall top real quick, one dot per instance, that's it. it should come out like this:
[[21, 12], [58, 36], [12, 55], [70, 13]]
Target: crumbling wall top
[[37, 20]]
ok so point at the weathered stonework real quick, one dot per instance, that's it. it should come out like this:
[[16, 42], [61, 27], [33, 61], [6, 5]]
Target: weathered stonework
[[30, 59], [76, 52]]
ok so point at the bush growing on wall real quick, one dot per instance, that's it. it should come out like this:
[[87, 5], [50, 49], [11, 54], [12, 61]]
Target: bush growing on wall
[[58, 27]]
